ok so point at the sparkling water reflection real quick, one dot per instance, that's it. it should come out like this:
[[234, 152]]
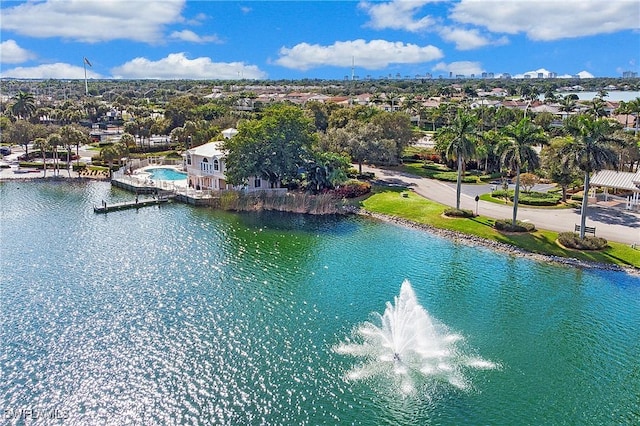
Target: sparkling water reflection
[[178, 315]]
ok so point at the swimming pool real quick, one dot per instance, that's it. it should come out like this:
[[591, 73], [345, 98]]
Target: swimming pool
[[166, 174]]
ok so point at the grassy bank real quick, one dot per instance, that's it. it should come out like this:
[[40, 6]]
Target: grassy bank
[[416, 209]]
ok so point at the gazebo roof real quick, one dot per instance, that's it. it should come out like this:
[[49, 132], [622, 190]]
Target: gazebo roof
[[620, 180], [229, 133]]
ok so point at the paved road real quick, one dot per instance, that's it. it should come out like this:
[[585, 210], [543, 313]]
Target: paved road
[[611, 223]]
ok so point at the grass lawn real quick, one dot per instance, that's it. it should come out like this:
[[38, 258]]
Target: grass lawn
[[420, 210], [568, 205], [437, 171]]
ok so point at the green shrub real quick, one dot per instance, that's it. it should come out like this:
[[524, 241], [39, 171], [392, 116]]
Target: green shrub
[[452, 212], [532, 198], [453, 177], [353, 188], [572, 240], [539, 198], [354, 174], [430, 165], [507, 226]]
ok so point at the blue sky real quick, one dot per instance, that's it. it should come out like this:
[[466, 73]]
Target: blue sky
[[180, 39]]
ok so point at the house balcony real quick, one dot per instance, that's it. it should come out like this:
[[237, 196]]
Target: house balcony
[[204, 173]]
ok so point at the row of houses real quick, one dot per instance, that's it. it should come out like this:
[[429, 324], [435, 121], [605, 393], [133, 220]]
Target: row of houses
[[495, 98]]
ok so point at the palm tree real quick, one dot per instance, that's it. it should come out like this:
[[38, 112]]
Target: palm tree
[[71, 136], [54, 140], [634, 108], [590, 150], [24, 105], [568, 104], [113, 152], [42, 144], [597, 108], [458, 140], [624, 109], [555, 168], [516, 151]]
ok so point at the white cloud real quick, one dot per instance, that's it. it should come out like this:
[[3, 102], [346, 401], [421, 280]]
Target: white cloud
[[93, 21], [11, 53], [533, 74], [58, 70], [465, 68], [545, 74], [178, 66], [372, 55], [402, 15], [585, 74], [468, 39], [190, 36], [549, 20], [398, 15]]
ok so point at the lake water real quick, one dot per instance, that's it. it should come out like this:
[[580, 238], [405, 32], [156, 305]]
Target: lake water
[[615, 95], [182, 315]]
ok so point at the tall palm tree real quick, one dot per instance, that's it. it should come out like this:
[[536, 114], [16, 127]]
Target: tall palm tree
[[458, 140], [597, 108], [71, 136], [24, 105], [517, 151], [624, 109], [42, 144], [568, 104], [54, 140], [590, 150], [634, 108]]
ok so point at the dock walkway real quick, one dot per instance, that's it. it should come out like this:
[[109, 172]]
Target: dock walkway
[[106, 208]]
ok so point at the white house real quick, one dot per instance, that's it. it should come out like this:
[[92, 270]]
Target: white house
[[205, 165]]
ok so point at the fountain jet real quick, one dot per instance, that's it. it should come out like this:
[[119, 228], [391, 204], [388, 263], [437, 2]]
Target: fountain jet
[[409, 347]]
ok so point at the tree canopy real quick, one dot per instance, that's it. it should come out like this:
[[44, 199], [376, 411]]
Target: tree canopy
[[275, 147]]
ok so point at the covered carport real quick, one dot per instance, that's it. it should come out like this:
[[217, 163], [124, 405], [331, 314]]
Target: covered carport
[[618, 181]]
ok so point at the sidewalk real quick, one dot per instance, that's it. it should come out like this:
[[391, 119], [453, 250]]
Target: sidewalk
[[613, 224]]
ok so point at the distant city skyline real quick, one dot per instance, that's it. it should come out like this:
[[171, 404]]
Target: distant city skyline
[[292, 40]]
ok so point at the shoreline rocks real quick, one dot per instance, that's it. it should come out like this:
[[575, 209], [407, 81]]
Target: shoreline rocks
[[472, 240]]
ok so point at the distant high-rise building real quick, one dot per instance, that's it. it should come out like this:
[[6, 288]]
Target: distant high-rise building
[[540, 75], [484, 75], [490, 75], [629, 74], [553, 75], [527, 76]]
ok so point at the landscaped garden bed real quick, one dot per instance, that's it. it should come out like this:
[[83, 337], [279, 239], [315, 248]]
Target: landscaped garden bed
[[572, 240], [532, 198]]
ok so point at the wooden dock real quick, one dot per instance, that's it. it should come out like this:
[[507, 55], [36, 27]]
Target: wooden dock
[[106, 208]]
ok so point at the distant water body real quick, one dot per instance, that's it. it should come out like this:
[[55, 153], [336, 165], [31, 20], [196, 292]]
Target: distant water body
[[182, 315], [611, 96]]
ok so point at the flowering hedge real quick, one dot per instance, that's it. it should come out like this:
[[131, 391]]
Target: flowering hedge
[[353, 188]]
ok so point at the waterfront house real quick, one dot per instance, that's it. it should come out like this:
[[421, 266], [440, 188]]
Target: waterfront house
[[205, 166]]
